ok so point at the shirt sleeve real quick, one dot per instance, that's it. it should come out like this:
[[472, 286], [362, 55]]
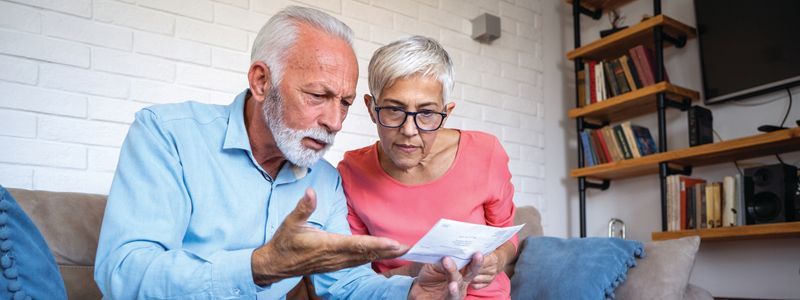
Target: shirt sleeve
[[500, 209], [140, 251], [358, 282]]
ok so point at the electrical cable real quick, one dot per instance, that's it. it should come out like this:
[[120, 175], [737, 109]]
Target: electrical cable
[[788, 90], [735, 163]]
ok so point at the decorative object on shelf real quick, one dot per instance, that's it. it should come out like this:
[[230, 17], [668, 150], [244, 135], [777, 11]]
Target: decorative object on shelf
[[486, 28], [701, 124], [616, 20], [616, 228]]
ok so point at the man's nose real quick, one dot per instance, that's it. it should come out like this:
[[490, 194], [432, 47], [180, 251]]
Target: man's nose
[[332, 117]]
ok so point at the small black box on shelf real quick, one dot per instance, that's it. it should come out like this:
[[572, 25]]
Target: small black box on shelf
[[700, 126]]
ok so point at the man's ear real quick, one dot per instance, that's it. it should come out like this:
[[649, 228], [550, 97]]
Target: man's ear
[[368, 104], [260, 79]]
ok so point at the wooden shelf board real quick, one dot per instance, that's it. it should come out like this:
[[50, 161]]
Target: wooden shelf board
[[776, 230], [632, 104], [787, 140], [617, 44], [606, 5]]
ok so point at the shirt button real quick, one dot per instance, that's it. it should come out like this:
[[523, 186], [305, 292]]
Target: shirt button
[[235, 291]]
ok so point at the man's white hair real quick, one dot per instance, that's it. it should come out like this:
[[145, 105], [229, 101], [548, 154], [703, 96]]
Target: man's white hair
[[411, 56], [280, 33]]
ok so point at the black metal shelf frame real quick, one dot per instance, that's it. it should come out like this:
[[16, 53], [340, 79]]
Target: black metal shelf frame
[[659, 37]]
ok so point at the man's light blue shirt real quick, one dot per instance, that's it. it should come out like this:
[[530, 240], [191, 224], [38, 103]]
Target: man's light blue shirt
[[189, 204]]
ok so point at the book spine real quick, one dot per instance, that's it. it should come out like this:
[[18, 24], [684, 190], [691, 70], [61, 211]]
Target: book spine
[[587, 149], [626, 127], [634, 73], [592, 82], [623, 61], [637, 61], [619, 75], [728, 201], [623, 144], [602, 141], [611, 79]]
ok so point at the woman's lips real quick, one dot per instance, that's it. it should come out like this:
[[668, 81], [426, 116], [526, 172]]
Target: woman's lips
[[406, 148]]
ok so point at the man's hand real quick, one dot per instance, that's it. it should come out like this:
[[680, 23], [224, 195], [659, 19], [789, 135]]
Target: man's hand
[[298, 249], [444, 281]]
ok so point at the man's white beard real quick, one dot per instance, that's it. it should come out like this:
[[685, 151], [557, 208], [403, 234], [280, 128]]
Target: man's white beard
[[290, 140]]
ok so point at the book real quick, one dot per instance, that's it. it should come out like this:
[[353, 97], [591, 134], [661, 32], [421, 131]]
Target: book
[[691, 206], [611, 142], [650, 60], [686, 182], [623, 143], [728, 201], [740, 208], [709, 206], [640, 67], [603, 147], [644, 141], [592, 82], [634, 73], [611, 79], [587, 149], [595, 148], [623, 61], [700, 203], [717, 203], [619, 75], [626, 128]]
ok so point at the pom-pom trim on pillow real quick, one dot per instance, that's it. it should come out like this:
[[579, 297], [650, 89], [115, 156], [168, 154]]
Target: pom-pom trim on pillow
[[7, 261]]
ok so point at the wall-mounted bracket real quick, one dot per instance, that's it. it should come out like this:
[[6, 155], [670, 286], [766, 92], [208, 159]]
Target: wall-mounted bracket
[[600, 186], [679, 42], [590, 125], [594, 14], [675, 169], [683, 105]]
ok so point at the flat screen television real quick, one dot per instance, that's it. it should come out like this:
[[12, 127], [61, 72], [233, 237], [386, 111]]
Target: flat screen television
[[747, 47]]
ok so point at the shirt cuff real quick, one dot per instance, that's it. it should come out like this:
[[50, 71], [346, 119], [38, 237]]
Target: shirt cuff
[[232, 274], [398, 286]]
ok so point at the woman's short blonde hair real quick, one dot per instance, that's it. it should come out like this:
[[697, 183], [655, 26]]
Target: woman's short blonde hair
[[411, 56]]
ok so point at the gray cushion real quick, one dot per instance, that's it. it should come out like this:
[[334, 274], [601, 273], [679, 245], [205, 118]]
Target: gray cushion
[[664, 272]]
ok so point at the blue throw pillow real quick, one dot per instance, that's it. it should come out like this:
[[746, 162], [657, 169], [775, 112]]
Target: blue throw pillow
[[587, 268], [29, 269]]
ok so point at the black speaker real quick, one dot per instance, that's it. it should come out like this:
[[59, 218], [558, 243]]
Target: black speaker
[[769, 194]]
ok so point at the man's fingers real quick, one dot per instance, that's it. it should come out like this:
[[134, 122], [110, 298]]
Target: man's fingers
[[304, 208], [369, 247]]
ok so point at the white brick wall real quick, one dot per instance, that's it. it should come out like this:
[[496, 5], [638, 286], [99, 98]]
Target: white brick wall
[[73, 73]]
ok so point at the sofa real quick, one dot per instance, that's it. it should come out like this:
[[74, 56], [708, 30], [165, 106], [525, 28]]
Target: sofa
[[70, 223]]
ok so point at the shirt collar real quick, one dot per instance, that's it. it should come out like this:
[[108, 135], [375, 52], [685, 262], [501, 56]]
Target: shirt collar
[[236, 138]]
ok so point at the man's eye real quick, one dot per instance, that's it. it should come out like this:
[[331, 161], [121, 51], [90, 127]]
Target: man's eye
[[346, 104]]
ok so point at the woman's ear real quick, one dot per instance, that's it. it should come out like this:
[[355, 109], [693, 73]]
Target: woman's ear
[[368, 103], [449, 107], [259, 78]]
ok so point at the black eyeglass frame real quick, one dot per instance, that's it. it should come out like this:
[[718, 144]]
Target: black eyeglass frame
[[413, 115]]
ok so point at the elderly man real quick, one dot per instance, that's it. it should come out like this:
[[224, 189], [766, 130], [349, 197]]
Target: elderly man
[[234, 201]]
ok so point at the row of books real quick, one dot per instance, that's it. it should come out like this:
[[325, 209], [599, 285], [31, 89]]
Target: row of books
[[615, 143], [693, 203], [614, 77]]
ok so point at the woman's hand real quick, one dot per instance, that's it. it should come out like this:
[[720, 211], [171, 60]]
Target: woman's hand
[[493, 264]]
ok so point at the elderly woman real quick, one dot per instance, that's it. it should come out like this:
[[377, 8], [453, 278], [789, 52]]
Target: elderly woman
[[420, 172]]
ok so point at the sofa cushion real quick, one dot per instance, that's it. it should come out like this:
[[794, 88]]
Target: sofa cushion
[[587, 268], [70, 223], [664, 273], [29, 270]]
